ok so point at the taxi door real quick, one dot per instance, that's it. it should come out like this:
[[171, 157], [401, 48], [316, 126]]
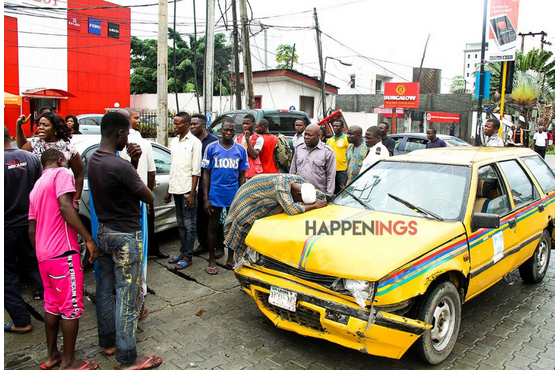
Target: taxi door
[[488, 247], [531, 216]]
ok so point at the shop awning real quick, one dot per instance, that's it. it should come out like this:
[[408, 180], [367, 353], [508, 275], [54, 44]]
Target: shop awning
[[48, 93], [12, 99], [388, 112]]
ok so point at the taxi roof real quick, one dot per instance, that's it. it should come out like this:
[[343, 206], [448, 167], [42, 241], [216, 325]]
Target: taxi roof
[[462, 155]]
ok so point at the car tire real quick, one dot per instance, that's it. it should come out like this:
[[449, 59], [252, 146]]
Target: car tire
[[442, 309], [534, 269]]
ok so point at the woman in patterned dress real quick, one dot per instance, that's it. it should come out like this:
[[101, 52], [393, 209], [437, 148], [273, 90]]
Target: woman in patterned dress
[[52, 132]]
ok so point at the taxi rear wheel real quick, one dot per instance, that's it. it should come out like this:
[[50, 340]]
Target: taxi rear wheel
[[534, 269], [442, 309]]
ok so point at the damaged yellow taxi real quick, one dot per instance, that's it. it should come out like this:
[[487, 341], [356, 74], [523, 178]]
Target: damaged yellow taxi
[[388, 264]]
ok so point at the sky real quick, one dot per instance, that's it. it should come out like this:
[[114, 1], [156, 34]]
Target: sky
[[364, 33]]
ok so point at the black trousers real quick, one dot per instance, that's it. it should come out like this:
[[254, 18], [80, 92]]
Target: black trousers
[[153, 247], [202, 223], [19, 252], [540, 151]]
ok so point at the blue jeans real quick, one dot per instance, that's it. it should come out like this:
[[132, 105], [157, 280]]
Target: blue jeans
[[186, 225], [120, 266], [339, 179]]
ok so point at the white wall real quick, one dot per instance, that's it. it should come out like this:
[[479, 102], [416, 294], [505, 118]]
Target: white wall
[[42, 58]]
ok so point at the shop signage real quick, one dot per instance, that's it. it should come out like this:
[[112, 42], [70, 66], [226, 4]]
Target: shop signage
[[402, 95], [95, 26], [113, 30], [73, 22], [442, 117]]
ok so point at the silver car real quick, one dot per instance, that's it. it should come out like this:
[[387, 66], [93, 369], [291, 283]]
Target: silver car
[[89, 123], [164, 213]]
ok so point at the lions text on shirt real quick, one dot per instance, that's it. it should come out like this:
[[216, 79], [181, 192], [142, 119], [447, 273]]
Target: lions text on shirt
[[224, 164]]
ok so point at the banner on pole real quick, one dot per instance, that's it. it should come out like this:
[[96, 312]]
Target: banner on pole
[[487, 78], [503, 30]]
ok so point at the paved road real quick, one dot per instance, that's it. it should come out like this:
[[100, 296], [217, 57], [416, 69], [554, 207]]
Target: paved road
[[199, 321]]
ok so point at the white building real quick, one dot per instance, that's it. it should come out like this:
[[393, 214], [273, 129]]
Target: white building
[[472, 57]]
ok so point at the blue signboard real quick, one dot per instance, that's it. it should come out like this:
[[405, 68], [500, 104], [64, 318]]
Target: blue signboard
[[487, 77], [95, 26], [292, 108], [208, 118]]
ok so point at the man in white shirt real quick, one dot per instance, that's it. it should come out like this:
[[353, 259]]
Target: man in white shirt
[[540, 141], [298, 138], [184, 175], [376, 150]]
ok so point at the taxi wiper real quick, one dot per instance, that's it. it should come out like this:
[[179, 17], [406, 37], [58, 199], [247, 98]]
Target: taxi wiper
[[416, 208], [366, 206]]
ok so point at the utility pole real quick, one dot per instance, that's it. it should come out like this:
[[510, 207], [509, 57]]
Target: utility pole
[[236, 56], [322, 72], [293, 56], [247, 67], [533, 34], [265, 28], [162, 74], [208, 86], [478, 140]]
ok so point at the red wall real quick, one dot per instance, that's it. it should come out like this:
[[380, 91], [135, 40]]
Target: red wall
[[98, 66], [11, 71]]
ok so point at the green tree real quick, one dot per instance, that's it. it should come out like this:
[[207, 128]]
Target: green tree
[[458, 85], [144, 62], [284, 54]]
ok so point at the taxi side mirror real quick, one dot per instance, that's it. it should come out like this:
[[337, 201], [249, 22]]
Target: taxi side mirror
[[483, 220]]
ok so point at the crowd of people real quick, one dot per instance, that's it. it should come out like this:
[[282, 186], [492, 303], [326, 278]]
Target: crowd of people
[[219, 186]]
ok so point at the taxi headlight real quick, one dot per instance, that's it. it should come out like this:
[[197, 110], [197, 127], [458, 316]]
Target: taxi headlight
[[252, 256], [362, 291]]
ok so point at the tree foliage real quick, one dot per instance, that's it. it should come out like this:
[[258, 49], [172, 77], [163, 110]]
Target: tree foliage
[[144, 63], [284, 54], [458, 85]]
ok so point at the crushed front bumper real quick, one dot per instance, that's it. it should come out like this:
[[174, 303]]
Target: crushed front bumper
[[321, 315]]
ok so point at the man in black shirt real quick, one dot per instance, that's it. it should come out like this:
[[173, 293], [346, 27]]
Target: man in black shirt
[[387, 141], [117, 189], [21, 171]]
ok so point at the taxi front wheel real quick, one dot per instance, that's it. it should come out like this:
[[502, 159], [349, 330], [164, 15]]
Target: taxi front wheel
[[441, 309], [534, 269]]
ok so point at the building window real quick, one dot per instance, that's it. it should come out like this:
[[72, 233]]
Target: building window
[[307, 105], [378, 86], [467, 74], [468, 65], [468, 56], [475, 56]]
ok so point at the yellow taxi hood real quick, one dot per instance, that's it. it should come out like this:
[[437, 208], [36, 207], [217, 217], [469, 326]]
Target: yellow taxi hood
[[349, 242]]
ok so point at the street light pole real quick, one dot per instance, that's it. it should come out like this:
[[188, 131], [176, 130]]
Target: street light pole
[[324, 79]]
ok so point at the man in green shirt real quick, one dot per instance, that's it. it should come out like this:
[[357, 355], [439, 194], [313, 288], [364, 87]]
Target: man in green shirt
[[339, 144]]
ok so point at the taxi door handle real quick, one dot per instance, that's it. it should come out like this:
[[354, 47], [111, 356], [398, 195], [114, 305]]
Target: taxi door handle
[[541, 208], [512, 223]]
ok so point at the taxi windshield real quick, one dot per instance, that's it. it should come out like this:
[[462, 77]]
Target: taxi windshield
[[434, 191]]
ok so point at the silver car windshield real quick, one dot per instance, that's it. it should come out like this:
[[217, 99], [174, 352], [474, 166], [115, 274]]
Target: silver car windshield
[[434, 191]]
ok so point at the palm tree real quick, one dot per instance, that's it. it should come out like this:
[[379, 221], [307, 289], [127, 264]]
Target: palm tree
[[526, 92], [458, 85]]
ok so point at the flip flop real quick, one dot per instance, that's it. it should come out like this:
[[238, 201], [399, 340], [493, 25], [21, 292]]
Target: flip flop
[[86, 366], [175, 259], [146, 364], [212, 270], [43, 365], [182, 264], [144, 314], [8, 328]]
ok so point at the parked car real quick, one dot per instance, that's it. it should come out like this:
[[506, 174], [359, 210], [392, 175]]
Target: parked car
[[89, 123], [408, 142], [164, 213], [281, 120], [392, 258]]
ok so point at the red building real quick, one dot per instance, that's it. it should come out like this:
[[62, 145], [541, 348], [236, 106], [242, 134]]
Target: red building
[[73, 56]]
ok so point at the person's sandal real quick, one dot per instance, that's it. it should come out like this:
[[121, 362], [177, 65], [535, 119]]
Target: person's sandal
[[182, 264]]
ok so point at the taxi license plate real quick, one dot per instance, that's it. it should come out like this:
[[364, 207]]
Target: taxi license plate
[[283, 298]]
